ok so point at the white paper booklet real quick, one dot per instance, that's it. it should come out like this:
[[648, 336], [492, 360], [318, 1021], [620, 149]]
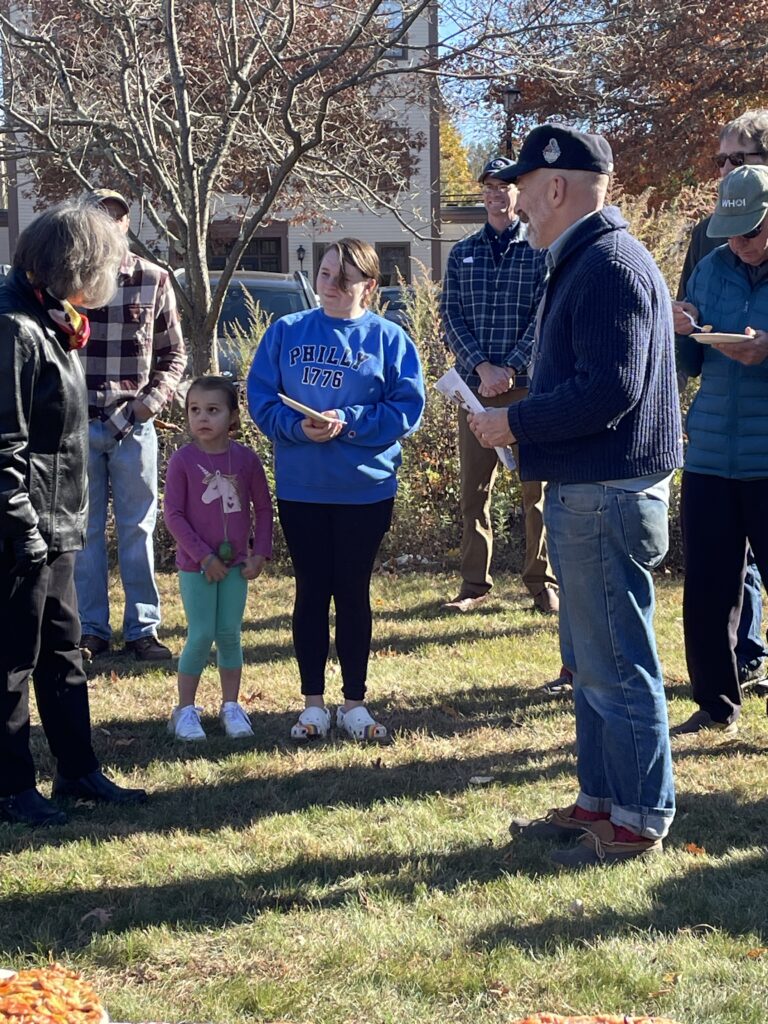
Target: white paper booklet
[[452, 387]]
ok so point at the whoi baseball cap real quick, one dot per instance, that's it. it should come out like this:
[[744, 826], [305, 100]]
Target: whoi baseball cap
[[742, 202]]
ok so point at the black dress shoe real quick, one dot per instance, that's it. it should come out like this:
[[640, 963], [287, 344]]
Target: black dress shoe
[[148, 648], [96, 786], [31, 808], [92, 646]]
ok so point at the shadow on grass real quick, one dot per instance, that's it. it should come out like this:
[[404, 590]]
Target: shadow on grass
[[711, 896], [236, 804], [53, 921], [705, 896], [477, 707]]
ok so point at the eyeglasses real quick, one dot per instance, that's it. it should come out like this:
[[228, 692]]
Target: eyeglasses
[[738, 158], [754, 232]]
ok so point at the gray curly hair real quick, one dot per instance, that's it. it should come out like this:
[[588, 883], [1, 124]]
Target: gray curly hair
[[752, 126], [73, 249]]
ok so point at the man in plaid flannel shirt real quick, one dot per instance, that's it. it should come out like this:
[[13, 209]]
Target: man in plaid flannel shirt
[[133, 363], [491, 290]]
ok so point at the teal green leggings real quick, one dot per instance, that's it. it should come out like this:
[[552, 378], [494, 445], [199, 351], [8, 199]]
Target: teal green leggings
[[214, 612]]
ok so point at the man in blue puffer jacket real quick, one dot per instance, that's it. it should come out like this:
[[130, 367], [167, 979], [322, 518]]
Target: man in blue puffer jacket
[[725, 483], [602, 424]]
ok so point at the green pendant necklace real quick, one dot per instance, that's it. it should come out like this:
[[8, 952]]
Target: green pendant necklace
[[224, 551]]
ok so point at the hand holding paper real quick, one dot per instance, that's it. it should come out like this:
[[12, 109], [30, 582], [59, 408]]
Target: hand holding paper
[[452, 387], [491, 428]]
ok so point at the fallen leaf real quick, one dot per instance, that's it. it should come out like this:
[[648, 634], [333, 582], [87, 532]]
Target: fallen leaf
[[126, 741], [757, 952], [105, 732], [480, 780], [114, 677], [697, 851], [449, 710], [499, 989], [576, 907]]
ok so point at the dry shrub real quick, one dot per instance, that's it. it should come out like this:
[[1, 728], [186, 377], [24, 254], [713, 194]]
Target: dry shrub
[[428, 518]]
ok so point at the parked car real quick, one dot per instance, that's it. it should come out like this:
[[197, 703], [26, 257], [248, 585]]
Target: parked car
[[393, 297], [276, 294]]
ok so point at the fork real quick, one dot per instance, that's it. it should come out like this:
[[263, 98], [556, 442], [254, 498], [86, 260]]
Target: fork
[[697, 326]]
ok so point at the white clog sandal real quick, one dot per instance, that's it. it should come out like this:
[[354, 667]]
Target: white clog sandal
[[312, 724], [358, 724]]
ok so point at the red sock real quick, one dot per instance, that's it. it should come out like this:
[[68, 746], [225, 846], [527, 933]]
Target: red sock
[[623, 835], [581, 815]]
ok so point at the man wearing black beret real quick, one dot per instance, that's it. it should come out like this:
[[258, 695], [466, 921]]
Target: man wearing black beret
[[602, 424]]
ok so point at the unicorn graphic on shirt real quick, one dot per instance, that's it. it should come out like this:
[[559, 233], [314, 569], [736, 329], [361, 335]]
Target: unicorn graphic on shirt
[[221, 486]]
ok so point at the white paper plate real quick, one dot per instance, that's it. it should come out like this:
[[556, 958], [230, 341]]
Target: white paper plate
[[713, 338], [304, 409]]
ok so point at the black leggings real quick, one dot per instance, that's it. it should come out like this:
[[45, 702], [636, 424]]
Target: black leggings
[[333, 548]]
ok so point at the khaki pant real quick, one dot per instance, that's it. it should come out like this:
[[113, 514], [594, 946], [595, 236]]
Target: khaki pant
[[478, 467]]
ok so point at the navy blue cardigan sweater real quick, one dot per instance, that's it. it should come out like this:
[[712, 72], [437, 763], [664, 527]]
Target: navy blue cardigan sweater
[[603, 401]]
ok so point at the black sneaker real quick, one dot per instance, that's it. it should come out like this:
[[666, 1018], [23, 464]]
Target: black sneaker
[[753, 676], [148, 648], [31, 808]]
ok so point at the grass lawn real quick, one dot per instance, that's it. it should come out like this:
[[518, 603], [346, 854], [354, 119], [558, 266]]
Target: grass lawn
[[336, 883]]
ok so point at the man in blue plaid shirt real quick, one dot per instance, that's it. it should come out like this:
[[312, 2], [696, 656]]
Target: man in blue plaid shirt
[[491, 290]]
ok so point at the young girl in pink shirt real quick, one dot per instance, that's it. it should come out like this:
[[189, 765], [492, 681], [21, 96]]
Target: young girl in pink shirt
[[218, 508]]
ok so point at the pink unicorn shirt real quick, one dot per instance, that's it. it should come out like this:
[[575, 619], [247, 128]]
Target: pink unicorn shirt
[[211, 499]]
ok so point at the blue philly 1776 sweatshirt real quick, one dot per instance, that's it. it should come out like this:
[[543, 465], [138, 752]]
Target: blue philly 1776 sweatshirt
[[367, 369]]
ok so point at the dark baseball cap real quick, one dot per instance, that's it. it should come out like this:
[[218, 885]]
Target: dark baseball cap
[[494, 165], [560, 147], [101, 195]]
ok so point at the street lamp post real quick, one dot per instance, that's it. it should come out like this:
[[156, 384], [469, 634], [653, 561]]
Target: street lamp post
[[510, 97]]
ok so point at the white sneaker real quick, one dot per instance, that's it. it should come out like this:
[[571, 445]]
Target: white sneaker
[[185, 724], [234, 721]]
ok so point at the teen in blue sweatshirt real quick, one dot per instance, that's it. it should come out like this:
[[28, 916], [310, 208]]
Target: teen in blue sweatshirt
[[335, 480]]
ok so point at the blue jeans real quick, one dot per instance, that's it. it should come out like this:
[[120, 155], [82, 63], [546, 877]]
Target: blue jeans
[[603, 542], [749, 643], [129, 466]]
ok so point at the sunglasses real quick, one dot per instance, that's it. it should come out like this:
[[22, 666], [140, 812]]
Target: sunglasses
[[737, 159], [754, 232]]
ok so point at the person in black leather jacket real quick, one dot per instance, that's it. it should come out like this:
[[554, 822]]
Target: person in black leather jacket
[[66, 258]]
